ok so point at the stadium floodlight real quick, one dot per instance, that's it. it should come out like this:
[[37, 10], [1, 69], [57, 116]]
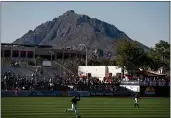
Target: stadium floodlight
[[85, 49], [51, 53]]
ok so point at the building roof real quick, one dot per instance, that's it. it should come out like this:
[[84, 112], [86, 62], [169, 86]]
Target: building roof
[[27, 45], [150, 73]]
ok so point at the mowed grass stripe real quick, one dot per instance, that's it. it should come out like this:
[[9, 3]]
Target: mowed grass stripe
[[82, 108], [81, 102], [93, 113], [91, 106], [88, 107], [85, 116], [102, 110], [83, 113], [98, 110], [86, 104]]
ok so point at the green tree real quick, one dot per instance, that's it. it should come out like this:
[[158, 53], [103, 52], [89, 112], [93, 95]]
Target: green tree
[[113, 62], [130, 56], [159, 56], [39, 60], [153, 60], [163, 50], [102, 62], [94, 62], [105, 62]]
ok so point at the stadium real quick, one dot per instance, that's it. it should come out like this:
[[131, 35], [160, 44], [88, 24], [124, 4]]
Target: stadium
[[36, 84], [85, 59]]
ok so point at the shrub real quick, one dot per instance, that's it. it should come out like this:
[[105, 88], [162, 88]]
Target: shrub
[[31, 63]]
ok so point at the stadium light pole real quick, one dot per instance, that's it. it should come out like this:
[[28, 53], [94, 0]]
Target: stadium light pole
[[86, 51], [86, 56], [51, 53]]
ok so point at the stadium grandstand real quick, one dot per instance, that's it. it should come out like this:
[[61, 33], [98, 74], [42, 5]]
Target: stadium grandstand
[[24, 51], [42, 67]]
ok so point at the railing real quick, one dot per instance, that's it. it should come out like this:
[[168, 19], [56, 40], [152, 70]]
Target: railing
[[129, 82], [27, 78], [5, 60], [64, 68], [154, 83], [145, 83]]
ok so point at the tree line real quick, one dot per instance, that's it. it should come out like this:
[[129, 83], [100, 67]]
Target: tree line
[[132, 57]]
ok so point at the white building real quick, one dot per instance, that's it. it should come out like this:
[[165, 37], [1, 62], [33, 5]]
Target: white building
[[99, 71]]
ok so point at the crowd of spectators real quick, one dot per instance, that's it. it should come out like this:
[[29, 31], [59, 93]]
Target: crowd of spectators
[[148, 81], [15, 64], [69, 82], [154, 81], [11, 80]]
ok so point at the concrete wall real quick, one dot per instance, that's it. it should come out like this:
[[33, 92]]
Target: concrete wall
[[98, 71], [115, 69]]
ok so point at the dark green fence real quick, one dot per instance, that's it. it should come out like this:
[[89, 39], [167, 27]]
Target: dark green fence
[[156, 91]]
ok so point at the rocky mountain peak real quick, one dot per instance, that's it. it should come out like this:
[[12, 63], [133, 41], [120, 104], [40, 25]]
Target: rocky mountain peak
[[69, 12], [72, 29]]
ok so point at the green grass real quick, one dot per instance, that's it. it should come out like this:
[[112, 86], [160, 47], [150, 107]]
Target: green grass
[[53, 107]]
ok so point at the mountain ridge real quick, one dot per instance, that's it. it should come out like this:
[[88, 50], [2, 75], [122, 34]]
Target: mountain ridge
[[72, 29]]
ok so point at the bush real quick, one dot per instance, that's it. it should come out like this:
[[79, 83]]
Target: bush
[[31, 63], [39, 60]]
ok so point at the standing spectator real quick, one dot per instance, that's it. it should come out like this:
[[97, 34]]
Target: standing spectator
[[17, 90]]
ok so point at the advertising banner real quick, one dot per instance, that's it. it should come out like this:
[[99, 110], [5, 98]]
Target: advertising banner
[[12, 93], [157, 91], [92, 93], [150, 91], [81, 93], [33, 93], [73, 93], [108, 94], [52, 93], [23, 93], [99, 94], [37, 94], [64, 93], [6, 94], [84, 93]]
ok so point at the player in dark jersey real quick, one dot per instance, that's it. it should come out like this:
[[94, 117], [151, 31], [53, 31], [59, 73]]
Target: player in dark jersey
[[136, 100], [74, 106]]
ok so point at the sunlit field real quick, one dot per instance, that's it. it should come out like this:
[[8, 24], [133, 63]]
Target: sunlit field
[[88, 107]]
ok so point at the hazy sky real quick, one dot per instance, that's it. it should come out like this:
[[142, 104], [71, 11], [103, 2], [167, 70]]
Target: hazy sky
[[146, 22]]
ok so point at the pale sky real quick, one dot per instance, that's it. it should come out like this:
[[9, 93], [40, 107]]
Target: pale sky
[[146, 22]]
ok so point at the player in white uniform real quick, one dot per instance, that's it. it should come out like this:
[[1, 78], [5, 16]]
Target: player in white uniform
[[74, 106], [136, 101]]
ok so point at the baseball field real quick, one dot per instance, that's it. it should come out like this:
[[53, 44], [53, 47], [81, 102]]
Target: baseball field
[[88, 107]]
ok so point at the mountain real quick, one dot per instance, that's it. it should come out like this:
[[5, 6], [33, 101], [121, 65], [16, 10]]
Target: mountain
[[71, 29]]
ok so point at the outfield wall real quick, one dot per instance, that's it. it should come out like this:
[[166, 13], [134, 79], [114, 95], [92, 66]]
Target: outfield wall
[[63, 93], [155, 91], [144, 92]]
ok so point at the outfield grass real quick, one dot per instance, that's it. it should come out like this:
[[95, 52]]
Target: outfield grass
[[41, 107]]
